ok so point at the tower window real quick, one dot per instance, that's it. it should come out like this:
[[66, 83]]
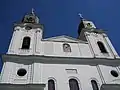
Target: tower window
[[73, 84], [94, 85], [66, 47], [89, 25], [51, 84], [102, 47], [26, 43]]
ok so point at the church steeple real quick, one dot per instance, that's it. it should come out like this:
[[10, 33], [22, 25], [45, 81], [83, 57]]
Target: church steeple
[[97, 39], [30, 18], [85, 24], [27, 35]]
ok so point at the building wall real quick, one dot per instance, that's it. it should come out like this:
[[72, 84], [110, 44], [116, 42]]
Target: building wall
[[93, 38], [48, 48], [9, 73], [62, 73], [17, 40], [56, 49], [39, 73]]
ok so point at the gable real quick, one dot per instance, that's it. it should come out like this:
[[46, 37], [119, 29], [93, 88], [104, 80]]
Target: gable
[[63, 38]]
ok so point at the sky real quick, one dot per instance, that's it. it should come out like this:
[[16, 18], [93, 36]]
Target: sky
[[60, 17]]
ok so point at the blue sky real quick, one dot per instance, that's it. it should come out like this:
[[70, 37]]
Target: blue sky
[[61, 17]]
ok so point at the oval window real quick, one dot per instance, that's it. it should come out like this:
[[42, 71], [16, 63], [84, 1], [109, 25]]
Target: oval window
[[21, 72], [114, 73]]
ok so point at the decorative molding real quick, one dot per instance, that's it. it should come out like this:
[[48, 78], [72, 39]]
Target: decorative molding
[[104, 35], [71, 71], [100, 74], [16, 29], [87, 34], [96, 55], [37, 31], [29, 24]]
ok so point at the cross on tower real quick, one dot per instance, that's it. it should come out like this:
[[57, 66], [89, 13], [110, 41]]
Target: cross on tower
[[81, 17], [33, 11]]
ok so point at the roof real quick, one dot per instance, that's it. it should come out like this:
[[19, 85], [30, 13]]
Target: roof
[[64, 38]]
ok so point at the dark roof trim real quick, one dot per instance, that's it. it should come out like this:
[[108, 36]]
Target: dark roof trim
[[91, 30], [60, 60], [79, 42], [8, 85], [30, 24], [110, 87]]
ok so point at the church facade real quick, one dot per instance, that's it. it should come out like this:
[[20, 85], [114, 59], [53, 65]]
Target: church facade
[[89, 62]]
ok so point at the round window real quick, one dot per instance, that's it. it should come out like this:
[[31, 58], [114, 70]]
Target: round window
[[114, 73], [88, 24], [21, 72]]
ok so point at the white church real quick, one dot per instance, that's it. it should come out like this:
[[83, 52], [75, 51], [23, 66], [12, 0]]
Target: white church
[[89, 62]]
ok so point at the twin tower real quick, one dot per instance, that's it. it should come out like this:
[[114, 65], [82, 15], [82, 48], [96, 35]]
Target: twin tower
[[88, 62]]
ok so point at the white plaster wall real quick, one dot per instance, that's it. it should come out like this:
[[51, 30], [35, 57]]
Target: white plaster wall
[[58, 73], [9, 73], [38, 38], [47, 48], [56, 49], [85, 51], [84, 75], [38, 73], [93, 38], [17, 39], [51, 48], [30, 51], [92, 42], [109, 79], [6, 72], [112, 47]]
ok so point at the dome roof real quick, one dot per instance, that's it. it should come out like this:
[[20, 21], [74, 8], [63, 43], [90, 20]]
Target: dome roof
[[30, 18]]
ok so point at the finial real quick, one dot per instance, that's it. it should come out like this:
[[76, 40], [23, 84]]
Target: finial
[[33, 11], [81, 17]]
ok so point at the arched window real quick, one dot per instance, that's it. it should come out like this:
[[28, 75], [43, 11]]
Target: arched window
[[73, 84], [102, 47], [26, 43], [66, 47], [51, 84], [94, 85]]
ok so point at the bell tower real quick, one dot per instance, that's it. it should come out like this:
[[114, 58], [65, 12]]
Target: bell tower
[[97, 39], [26, 35], [19, 70]]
